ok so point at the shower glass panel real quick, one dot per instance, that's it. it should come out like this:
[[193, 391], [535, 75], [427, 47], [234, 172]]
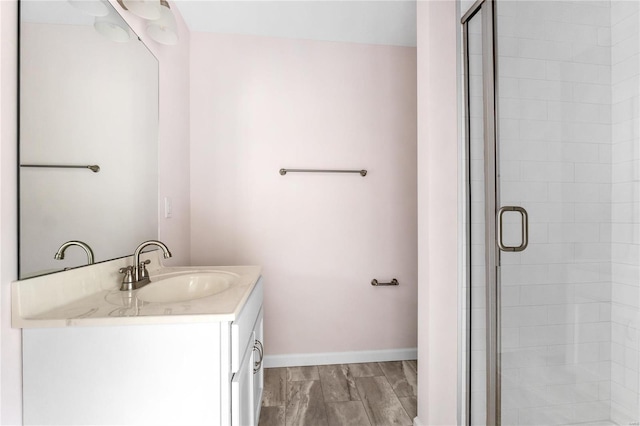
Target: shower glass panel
[[567, 308]]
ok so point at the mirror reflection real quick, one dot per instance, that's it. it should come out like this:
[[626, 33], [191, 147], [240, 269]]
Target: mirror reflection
[[88, 97]]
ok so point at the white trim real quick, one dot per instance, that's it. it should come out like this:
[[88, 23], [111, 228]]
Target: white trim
[[325, 358]]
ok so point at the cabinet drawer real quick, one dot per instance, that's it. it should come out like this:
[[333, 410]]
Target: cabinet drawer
[[242, 392], [242, 327]]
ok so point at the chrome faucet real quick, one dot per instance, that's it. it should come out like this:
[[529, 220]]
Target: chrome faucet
[[60, 253], [136, 276]]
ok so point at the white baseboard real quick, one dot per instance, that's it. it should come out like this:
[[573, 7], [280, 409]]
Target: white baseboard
[[325, 358]]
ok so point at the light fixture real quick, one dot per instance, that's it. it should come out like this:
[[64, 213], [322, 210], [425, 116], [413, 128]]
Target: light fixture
[[164, 30], [112, 27], [91, 7], [147, 9]]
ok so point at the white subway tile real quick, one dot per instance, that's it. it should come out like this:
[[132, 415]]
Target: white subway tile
[[562, 31], [625, 27], [591, 93], [625, 69], [524, 274], [624, 397], [625, 89], [540, 130], [624, 49], [580, 112], [552, 90], [604, 36], [508, 47], [622, 151], [617, 374], [522, 68], [524, 316], [511, 192], [529, 28], [531, 109], [592, 292], [574, 192], [592, 212], [574, 393], [591, 412], [510, 296], [621, 10], [574, 233], [579, 152], [593, 332], [588, 172], [586, 132], [631, 360], [590, 53], [508, 87], [628, 294], [631, 380], [624, 110], [552, 212], [574, 273], [536, 171], [549, 294], [542, 49]]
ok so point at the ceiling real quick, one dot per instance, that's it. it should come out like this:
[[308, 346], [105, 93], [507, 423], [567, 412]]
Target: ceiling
[[357, 21]]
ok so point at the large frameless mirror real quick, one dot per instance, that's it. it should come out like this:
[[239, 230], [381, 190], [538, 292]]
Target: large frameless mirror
[[88, 97]]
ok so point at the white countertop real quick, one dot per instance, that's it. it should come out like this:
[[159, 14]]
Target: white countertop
[[87, 297]]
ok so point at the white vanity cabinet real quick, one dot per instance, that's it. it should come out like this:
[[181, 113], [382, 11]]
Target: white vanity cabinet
[[194, 371]]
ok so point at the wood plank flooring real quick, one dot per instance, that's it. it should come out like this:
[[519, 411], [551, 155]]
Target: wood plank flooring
[[370, 394]]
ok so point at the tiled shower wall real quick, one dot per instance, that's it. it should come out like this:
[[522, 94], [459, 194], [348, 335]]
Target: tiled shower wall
[[625, 212]]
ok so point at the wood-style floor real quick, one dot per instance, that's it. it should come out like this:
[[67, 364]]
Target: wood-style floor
[[379, 393]]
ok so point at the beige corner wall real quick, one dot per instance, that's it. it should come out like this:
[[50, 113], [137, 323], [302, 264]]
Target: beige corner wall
[[437, 214]]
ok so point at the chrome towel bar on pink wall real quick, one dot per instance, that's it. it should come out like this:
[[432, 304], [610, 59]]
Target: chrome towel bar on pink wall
[[285, 171], [375, 282], [94, 168]]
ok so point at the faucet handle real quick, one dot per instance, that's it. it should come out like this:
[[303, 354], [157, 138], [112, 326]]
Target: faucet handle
[[127, 280]]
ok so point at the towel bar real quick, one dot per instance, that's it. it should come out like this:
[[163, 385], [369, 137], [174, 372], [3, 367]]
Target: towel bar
[[93, 168], [375, 282], [285, 171]]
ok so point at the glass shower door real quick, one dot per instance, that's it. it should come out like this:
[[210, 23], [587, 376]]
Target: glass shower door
[[553, 159]]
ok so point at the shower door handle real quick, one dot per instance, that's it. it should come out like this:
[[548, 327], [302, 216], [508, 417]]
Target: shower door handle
[[524, 228]]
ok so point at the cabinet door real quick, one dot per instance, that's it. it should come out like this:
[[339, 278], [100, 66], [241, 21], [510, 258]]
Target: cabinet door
[[258, 370], [242, 407]]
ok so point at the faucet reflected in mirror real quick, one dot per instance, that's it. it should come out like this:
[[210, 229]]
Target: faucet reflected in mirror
[[60, 253]]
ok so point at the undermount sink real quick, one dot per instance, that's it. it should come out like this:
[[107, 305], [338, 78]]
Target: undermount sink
[[187, 286]]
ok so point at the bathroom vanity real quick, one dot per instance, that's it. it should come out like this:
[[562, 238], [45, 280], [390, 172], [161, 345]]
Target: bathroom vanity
[[174, 354]]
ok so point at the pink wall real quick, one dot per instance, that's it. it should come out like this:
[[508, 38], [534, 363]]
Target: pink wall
[[437, 213], [10, 339], [259, 104]]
